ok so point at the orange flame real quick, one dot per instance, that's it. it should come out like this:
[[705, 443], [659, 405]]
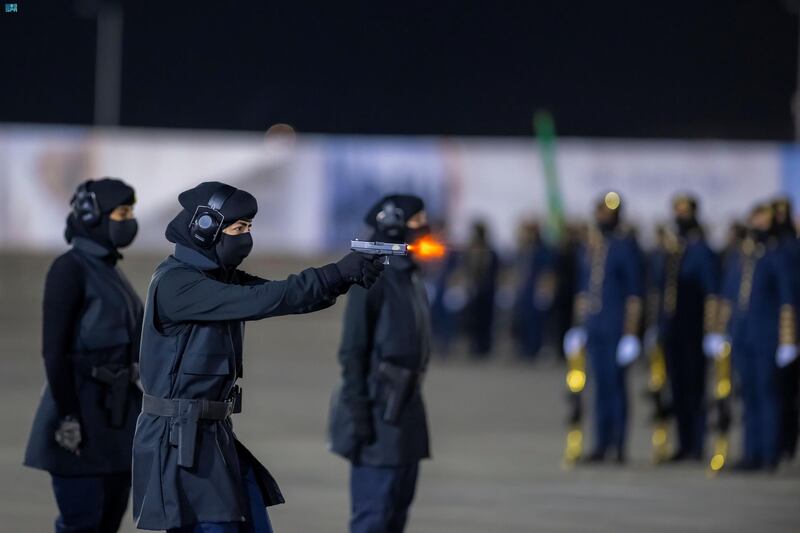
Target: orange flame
[[427, 248]]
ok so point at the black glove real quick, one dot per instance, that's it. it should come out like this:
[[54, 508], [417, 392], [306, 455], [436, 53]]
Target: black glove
[[361, 415], [361, 269], [68, 434]]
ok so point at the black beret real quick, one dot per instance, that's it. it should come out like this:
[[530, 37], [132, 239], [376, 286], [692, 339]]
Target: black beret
[[409, 204], [111, 193], [240, 205]]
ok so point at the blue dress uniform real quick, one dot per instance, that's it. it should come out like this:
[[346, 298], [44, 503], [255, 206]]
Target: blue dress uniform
[[608, 305], [534, 297], [758, 305], [789, 375], [481, 266], [688, 311]]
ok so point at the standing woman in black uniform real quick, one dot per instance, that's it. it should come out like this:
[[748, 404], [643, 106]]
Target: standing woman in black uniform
[[83, 429]]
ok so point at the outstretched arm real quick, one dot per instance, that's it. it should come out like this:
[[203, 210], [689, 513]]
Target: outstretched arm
[[188, 295]]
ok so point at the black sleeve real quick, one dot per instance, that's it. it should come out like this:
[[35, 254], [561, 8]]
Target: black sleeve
[[243, 278], [187, 295], [357, 340], [63, 300]]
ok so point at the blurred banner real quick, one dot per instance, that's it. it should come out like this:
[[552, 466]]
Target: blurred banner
[[313, 190]]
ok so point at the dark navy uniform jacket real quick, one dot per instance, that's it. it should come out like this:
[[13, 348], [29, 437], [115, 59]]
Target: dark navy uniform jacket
[[757, 283], [192, 349], [609, 273], [691, 275], [389, 323], [105, 339]]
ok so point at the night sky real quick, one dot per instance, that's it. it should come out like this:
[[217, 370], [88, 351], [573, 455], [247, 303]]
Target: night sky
[[679, 68]]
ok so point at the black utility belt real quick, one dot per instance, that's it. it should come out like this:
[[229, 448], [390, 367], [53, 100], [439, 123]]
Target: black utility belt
[[185, 415]]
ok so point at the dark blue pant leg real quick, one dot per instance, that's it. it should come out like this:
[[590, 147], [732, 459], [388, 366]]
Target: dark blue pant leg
[[767, 408], [257, 518], [603, 371], [619, 413], [745, 369], [80, 503], [117, 489], [381, 497]]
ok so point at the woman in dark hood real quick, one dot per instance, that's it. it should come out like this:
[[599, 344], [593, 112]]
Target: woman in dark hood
[[190, 473], [84, 425]]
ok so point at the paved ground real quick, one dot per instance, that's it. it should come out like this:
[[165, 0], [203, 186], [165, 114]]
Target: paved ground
[[497, 437]]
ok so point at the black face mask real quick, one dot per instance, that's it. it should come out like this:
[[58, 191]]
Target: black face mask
[[413, 235], [232, 249], [122, 232], [685, 225]]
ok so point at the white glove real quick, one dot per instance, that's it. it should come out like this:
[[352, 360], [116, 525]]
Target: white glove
[[628, 350], [785, 355], [650, 338], [712, 344], [574, 341]]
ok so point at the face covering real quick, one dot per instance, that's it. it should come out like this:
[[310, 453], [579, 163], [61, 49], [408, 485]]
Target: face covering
[[685, 225], [122, 232], [232, 249]]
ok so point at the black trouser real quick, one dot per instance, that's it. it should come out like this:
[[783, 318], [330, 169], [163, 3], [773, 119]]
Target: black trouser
[[789, 404], [686, 366], [91, 504]]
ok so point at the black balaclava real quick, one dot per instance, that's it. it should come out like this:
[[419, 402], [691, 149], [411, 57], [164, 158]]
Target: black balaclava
[[782, 219], [612, 203], [388, 217], [686, 224], [229, 250], [759, 234], [110, 193]]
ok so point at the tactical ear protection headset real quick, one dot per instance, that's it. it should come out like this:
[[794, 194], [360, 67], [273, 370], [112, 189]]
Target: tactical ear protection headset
[[207, 220], [85, 206], [391, 219]]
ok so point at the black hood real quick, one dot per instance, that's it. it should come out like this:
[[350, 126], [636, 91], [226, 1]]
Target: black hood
[[240, 205], [408, 204], [110, 193]]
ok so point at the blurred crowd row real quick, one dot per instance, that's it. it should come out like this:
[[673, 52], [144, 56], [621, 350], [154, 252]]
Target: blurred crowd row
[[712, 325]]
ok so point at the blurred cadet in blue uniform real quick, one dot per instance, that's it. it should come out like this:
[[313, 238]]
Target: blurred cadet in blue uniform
[[789, 374], [608, 310], [447, 297], [758, 313], [687, 322], [481, 267], [536, 286]]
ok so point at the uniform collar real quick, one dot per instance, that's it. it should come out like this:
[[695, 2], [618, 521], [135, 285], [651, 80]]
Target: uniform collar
[[194, 258], [94, 249]]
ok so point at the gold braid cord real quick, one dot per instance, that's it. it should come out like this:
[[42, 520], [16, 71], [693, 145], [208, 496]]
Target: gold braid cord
[[633, 315], [710, 314], [787, 333]]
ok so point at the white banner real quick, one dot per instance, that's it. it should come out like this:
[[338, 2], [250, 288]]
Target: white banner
[[313, 190]]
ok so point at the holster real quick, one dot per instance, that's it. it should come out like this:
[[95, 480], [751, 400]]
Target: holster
[[185, 416], [398, 385], [117, 380]]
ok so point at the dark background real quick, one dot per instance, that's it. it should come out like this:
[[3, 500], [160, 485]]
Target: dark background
[[678, 68]]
